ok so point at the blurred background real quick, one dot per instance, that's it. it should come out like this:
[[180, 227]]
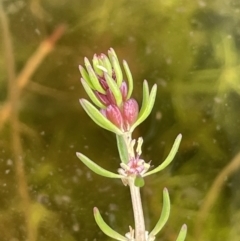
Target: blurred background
[[191, 49]]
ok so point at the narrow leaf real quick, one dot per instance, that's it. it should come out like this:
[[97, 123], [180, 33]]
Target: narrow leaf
[[96, 168], [146, 108], [114, 88], [105, 228], [182, 234], [95, 80], [92, 95], [169, 158], [112, 53], [95, 61], [98, 117], [85, 76], [93, 77], [164, 215], [118, 71], [106, 63], [129, 78], [122, 149], [145, 96]]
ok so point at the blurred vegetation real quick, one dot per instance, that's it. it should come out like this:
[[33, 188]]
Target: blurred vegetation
[[191, 49]]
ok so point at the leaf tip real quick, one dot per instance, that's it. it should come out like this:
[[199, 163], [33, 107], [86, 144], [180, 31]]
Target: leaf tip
[[184, 227], [165, 189], [179, 136], [95, 210], [82, 101]]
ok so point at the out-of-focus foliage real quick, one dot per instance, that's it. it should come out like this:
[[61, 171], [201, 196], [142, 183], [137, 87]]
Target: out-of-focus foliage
[[190, 49]]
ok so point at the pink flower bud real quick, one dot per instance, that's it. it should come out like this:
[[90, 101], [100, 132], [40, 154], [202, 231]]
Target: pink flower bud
[[130, 111], [114, 115], [124, 90], [111, 97], [103, 98], [103, 82]]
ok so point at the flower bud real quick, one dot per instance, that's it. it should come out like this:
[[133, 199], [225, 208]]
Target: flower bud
[[130, 111], [114, 115], [111, 97], [103, 98], [124, 90]]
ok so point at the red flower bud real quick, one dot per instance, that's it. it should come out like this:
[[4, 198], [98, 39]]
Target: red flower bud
[[114, 115], [130, 111]]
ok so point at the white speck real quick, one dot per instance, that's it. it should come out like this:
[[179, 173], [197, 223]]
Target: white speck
[[79, 172], [9, 162], [89, 176], [42, 133], [202, 4], [71, 146], [217, 100], [158, 115], [75, 179], [75, 227], [113, 207], [148, 50], [218, 127], [66, 199], [37, 31], [7, 171], [162, 82], [131, 39], [169, 61]]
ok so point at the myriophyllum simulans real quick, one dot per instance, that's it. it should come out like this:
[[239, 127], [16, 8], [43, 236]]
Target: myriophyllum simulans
[[115, 110]]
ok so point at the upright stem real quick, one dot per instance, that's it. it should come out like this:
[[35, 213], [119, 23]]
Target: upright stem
[[137, 211]]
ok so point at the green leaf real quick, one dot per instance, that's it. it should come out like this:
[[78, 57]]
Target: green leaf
[[92, 95], [169, 158], [95, 65], [85, 76], [182, 234], [139, 181], [96, 168], [147, 105], [114, 88], [105, 228], [164, 215], [106, 63], [98, 117], [111, 53], [129, 78], [118, 71], [93, 77], [122, 149]]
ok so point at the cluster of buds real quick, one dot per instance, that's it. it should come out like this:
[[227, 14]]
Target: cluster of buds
[[104, 83]]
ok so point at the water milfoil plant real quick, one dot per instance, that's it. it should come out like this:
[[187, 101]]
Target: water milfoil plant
[[115, 110]]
